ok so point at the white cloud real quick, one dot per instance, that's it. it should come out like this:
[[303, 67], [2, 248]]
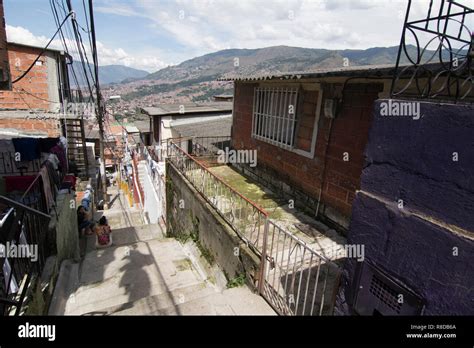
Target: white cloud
[[203, 26], [196, 27], [107, 55]]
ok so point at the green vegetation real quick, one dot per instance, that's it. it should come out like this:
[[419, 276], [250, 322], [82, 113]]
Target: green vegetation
[[236, 281], [249, 189]]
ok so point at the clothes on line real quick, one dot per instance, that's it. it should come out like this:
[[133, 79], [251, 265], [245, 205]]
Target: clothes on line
[[45, 144], [59, 151], [18, 183], [27, 147]]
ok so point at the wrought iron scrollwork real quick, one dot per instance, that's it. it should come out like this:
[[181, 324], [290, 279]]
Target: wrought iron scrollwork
[[436, 53]]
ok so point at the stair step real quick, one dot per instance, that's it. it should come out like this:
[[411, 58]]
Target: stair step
[[160, 301], [101, 264], [135, 234], [198, 306], [126, 287]]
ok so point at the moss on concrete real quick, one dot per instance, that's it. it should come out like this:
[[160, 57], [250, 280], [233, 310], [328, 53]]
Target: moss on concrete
[[251, 190]]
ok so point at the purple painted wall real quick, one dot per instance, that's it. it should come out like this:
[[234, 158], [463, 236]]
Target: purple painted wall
[[412, 160]]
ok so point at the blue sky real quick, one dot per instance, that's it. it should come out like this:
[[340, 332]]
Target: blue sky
[[151, 34]]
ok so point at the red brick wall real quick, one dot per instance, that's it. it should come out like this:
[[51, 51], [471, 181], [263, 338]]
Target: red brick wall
[[32, 90], [349, 134], [49, 126]]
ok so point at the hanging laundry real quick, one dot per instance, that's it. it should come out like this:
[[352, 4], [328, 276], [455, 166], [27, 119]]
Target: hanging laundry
[[45, 144], [6, 145], [27, 147], [69, 182], [59, 151], [53, 174], [18, 183], [54, 160]]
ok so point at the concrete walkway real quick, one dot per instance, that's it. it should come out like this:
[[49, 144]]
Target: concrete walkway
[[144, 273]]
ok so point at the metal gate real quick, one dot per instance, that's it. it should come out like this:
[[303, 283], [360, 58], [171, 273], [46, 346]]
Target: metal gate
[[294, 278]]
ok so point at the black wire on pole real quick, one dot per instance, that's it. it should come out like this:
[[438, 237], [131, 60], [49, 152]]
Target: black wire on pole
[[80, 52], [43, 51], [78, 37], [76, 52], [71, 67]]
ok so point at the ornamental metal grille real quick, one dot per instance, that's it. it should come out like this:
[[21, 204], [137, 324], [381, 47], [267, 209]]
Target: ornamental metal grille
[[439, 51]]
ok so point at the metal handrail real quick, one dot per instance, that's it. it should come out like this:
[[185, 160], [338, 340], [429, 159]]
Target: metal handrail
[[255, 205], [23, 207], [293, 277]]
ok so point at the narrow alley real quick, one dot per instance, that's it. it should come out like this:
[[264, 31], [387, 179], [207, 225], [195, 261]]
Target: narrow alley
[[144, 273]]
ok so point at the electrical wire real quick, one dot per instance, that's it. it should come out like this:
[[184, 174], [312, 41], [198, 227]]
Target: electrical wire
[[43, 51]]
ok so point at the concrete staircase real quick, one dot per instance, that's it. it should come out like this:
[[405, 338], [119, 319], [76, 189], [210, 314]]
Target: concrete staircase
[[145, 273]]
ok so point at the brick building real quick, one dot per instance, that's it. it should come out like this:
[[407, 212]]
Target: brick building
[[33, 103], [310, 130]]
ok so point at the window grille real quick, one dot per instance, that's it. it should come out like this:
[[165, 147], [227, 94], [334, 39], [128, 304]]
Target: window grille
[[274, 115]]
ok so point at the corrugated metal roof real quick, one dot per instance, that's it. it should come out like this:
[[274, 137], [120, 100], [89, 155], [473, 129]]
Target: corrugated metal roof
[[189, 108], [385, 70], [132, 129], [218, 127], [142, 125]]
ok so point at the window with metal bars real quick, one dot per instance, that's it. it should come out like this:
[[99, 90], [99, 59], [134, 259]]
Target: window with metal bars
[[274, 115]]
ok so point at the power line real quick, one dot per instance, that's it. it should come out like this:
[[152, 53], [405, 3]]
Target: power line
[[43, 51], [78, 52], [83, 52], [70, 65]]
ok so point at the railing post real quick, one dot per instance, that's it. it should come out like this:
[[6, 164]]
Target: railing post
[[263, 261]]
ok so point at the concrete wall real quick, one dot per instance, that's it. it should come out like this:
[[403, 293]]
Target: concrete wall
[[152, 206], [63, 240], [65, 228], [415, 211], [197, 219], [328, 169]]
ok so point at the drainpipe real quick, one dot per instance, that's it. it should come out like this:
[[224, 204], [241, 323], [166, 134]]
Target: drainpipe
[[323, 174]]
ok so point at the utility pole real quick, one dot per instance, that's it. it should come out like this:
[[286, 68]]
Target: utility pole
[[100, 110]]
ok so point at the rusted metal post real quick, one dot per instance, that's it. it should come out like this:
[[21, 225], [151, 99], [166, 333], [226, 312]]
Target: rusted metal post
[[263, 261]]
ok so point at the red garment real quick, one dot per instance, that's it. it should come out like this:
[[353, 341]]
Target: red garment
[[18, 183], [70, 179]]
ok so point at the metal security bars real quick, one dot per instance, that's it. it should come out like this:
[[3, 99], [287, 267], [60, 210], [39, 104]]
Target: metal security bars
[[274, 115], [439, 50], [293, 278]]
